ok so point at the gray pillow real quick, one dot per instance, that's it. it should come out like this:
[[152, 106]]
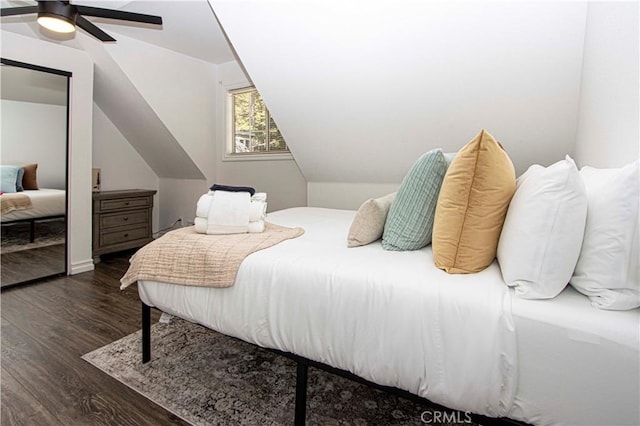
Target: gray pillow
[[409, 223], [368, 224], [19, 187]]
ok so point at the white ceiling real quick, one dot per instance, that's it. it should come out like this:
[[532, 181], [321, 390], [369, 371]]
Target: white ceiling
[[189, 27]]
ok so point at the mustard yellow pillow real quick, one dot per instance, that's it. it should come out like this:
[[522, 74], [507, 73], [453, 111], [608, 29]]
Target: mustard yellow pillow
[[472, 205]]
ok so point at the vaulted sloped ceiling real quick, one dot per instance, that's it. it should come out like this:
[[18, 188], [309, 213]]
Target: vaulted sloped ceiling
[[361, 89], [122, 102]]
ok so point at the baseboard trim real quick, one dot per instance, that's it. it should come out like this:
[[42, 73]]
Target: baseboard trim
[[83, 266]]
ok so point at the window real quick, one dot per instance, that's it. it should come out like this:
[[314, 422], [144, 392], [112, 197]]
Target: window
[[253, 129]]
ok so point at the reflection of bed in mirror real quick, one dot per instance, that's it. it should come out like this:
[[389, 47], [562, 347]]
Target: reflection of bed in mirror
[[30, 206], [34, 134]]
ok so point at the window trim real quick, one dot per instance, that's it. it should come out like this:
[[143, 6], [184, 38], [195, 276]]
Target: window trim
[[228, 154]]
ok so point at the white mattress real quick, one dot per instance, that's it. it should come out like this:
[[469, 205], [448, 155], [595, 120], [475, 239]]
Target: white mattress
[[46, 202], [395, 319]]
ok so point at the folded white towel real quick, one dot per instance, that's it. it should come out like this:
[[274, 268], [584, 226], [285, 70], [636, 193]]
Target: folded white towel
[[202, 208], [258, 211], [256, 227], [213, 229], [200, 224], [202, 227], [259, 196], [229, 212]]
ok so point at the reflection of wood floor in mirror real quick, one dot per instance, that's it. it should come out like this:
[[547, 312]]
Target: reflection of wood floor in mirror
[[30, 264]]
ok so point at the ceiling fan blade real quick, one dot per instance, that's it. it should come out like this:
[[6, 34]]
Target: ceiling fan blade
[[11, 11], [119, 14], [93, 30]]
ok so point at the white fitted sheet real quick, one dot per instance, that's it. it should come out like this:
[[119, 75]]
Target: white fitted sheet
[[46, 202], [395, 319]]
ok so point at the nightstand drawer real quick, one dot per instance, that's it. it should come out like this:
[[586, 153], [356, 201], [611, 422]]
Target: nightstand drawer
[[124, 236], [114, 220], [125, 203]]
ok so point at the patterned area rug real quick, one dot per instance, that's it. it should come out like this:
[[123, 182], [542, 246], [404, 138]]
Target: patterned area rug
[[15, 237], [207, 378]]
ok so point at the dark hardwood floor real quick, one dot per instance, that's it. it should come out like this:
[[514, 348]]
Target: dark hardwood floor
[[46, 327]]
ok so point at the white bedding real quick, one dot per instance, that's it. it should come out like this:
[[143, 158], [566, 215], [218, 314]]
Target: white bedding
[[577, 364], [395, 319], [46, 202], [390, 317]]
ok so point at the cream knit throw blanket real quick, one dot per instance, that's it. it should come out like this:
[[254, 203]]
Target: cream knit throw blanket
[[188, 258], [14, 201]]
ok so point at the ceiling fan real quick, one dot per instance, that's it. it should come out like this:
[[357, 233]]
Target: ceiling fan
[[62, 17]]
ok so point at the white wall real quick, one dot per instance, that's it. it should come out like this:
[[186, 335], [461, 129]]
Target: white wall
[[120, 165], [51, 55], [608, 128], [282, 180], [36, 133], [361, 90], [346, 195], [179, 198]]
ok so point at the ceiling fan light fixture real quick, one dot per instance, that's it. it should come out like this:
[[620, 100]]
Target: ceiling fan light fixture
[[62, 17], [57, 16], [57, 24]]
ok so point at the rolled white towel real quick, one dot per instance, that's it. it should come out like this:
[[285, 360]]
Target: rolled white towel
[[200, 224], [202, 208], [258, 211], [213, 229], [256, 227], [259, 196], [229, 213], [202, 227]]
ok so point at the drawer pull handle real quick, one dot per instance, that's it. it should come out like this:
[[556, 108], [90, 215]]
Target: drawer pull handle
[[126, 218]]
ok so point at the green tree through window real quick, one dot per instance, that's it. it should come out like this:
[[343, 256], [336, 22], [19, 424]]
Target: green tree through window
[[254, 130]]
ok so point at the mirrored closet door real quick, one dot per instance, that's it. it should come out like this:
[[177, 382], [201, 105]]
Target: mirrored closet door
[[34, 119]]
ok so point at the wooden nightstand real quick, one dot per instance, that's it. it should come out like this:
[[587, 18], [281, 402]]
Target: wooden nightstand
[[121, 220]]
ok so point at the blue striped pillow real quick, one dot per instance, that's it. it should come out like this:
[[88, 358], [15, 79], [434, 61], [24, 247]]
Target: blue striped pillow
[[409, 223]]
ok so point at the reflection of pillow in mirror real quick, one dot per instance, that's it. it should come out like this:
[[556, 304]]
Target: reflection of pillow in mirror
[[8, 177], [30, 179], [19, 187]]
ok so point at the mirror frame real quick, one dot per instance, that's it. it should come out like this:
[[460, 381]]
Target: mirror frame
[[68, 75]]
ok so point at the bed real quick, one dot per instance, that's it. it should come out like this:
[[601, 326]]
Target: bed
[[394, 319], [46, 204]]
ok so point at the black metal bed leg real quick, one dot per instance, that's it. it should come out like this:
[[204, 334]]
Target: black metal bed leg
[[301, 392], [32, 231], [146, 333]]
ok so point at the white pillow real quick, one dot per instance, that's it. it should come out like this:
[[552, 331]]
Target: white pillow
[[542, 233], [368, 224], [607, 270]]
